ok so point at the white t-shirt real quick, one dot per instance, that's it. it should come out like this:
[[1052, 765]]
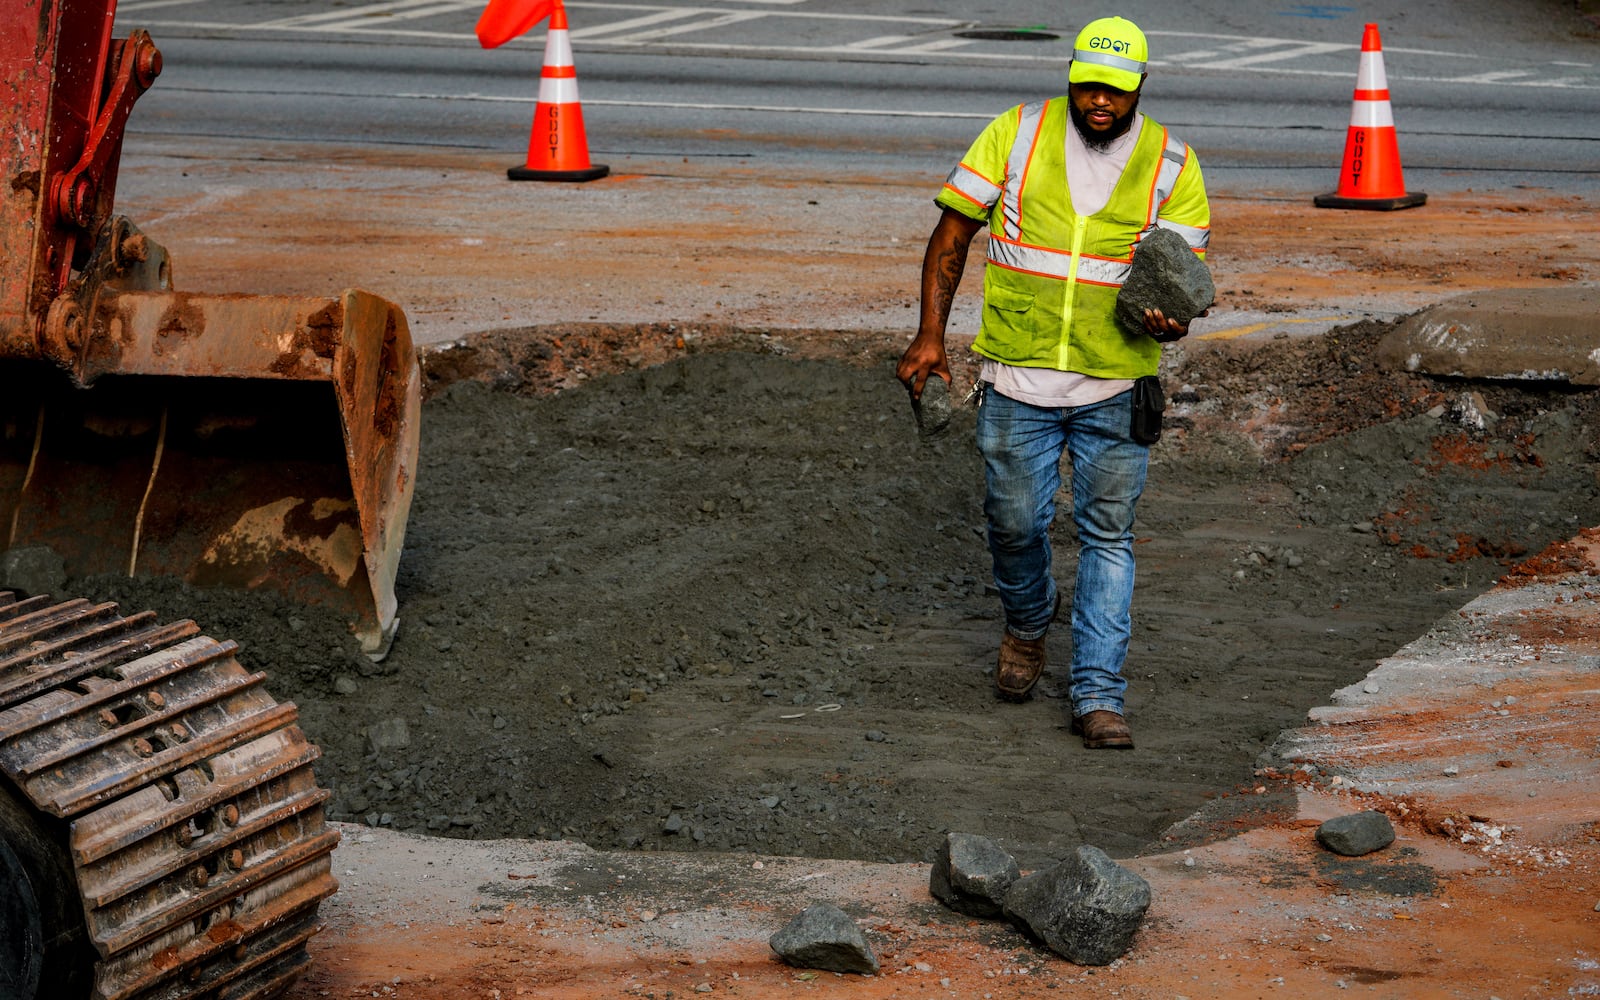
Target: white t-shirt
[[1092, 174]]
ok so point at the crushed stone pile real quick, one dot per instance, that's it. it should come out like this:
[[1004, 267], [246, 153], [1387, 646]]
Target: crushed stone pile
[[732, 602]]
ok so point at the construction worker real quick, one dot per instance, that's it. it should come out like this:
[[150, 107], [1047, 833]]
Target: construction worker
[[1068, 187]]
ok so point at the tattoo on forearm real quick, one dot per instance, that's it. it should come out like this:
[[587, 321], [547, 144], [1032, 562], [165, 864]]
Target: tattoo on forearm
[[947, 275]]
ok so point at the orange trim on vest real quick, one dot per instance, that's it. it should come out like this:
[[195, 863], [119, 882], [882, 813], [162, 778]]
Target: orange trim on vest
[[1022, 184]]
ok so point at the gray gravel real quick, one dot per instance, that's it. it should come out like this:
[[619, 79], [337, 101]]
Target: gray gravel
[[733, 603]]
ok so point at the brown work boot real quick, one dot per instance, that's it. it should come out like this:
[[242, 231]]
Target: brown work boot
[[1021, 664], [1103, 730]]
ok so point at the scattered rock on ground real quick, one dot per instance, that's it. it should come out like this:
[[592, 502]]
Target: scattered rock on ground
[[389, 734], [1086, 908], [824, 937], [972, 875], [1356, 834]]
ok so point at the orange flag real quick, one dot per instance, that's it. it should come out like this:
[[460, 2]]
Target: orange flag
[[504, 20]]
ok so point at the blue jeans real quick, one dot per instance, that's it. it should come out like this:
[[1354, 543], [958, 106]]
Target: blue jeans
[[1022, 447]]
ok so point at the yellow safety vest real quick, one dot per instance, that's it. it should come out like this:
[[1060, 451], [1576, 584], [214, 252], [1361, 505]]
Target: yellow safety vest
[[1050, 287]]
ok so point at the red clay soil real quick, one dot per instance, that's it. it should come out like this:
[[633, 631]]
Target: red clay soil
[[1266, 913], [1560, 559], [443, 234]]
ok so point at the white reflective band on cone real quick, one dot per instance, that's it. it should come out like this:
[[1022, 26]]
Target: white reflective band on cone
[[558, 90], [558, 49], [1371, 114], [1370, 75]]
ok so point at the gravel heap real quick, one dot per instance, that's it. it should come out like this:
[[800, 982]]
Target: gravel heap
[[732, 602]]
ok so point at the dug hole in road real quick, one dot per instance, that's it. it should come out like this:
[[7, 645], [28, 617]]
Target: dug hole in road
[[680, 575]]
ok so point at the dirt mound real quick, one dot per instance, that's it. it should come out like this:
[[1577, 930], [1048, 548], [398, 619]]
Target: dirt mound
[[715, 594]]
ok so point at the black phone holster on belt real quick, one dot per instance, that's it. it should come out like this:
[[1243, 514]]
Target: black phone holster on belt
[[1148, 403]]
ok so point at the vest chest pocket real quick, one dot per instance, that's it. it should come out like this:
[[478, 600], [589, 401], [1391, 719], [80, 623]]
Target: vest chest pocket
[[1007, 299]]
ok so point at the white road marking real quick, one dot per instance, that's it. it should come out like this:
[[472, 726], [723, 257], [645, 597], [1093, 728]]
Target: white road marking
[[137, 5], [705, 25], [441, 7], [881, 41], [698, 106], [1278, 55], [907, 43], [803, 15], [1242, 45], [343, 19], [1559, 83], [1500, 76], [936, 46], [643, 20], [1265, 41]]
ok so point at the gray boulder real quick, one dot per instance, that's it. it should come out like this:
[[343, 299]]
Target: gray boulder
[[389, 734], [933, 408], [824, 937], [1356, 834], [1166, 275], [972, 875], [1086, 908]]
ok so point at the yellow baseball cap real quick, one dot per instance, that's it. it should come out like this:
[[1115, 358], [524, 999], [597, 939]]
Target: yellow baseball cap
[[1112, 51]]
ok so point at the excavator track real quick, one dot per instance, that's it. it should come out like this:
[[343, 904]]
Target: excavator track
[[176, 795]]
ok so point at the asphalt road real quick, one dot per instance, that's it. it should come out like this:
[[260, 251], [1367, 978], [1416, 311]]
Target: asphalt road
[[1483, 98]]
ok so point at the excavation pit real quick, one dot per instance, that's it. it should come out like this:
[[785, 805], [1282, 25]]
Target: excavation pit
[[689, 588]]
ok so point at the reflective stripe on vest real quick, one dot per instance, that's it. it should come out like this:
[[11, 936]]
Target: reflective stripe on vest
[[1048, 263], [1174, 154], [1029, 119], [1194, 235], [1006, 248], [972, 186]]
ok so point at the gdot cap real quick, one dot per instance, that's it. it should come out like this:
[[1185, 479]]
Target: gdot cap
[[1111, 51]]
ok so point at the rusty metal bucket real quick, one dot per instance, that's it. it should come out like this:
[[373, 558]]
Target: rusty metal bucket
[[236, 440]]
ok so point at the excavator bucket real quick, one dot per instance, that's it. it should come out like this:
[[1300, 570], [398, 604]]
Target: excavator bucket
[[231, 441], [227, 440]]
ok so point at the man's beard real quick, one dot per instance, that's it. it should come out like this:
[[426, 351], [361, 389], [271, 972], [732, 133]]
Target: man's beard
[[1101, 141]]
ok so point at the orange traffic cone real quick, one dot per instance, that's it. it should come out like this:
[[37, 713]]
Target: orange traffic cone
[[1370, 176], [558, 149]]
